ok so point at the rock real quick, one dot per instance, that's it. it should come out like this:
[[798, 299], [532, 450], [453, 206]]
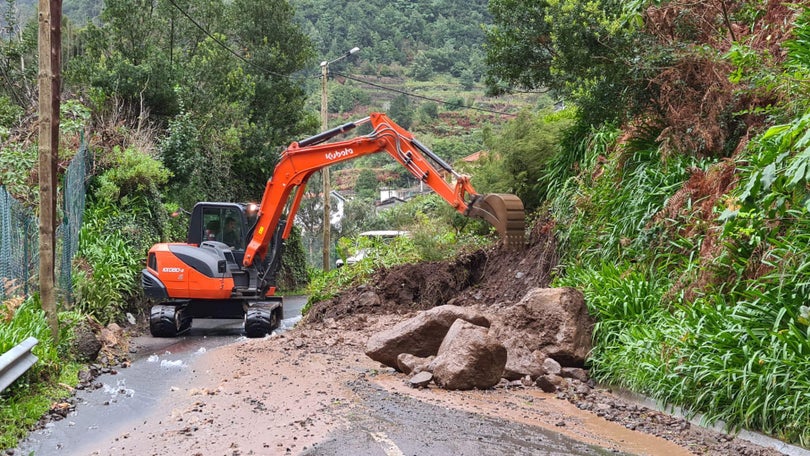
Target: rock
[[552, 320], [421, 380], [550, 382], [469, 357], [111, 335], [368, 299], [551, 366], [330, 323], [575, 373], [85, 376], [521, 362], [410, 364], [421, 335], [582, 389], [85, 343]]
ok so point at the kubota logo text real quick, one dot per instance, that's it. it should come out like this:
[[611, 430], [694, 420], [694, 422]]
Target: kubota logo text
[[339, 153]]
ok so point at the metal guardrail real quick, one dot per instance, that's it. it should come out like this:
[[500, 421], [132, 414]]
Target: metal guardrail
[[16, 361]]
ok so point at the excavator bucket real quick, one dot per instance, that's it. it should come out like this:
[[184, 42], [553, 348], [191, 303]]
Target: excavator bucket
[[505, 212]]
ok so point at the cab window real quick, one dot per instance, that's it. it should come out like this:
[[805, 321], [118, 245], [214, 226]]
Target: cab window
[[223, 225]]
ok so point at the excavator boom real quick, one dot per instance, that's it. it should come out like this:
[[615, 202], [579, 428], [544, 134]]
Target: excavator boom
[[300, 160]]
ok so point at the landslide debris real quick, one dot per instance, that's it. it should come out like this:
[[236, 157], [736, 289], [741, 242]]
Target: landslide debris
[[484, 277], [494, 280]]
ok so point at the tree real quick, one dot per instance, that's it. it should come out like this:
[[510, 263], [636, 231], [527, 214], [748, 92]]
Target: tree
[[366, 186], [277, 48], [428, 111], [422, 67], [467, 79], [344, 98], [18, 65], [519, 156], [401, 111], [588, 52]]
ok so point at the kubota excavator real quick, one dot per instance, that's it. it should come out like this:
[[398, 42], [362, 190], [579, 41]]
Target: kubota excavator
[[227, 267]]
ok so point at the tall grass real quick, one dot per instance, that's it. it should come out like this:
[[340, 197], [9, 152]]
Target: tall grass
[[738, 349], [743, 363], [624, 299], [106, 269], [606, 210]]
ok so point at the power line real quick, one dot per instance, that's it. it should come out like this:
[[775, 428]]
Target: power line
[[362, 81], [410, 94], [223, 45]]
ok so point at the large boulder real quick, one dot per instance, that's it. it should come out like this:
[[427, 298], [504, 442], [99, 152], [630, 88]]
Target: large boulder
[[421, 335], [410, 364], [554, 321], [469, 357]]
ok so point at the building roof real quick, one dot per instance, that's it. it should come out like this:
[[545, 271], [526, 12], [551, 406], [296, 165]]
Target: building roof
[[475, 157]]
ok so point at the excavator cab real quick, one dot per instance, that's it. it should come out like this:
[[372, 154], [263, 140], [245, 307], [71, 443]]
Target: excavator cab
[[228, 223]]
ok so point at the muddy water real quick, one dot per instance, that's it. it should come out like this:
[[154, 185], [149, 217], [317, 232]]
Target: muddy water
[[159, 367], [541, 412]]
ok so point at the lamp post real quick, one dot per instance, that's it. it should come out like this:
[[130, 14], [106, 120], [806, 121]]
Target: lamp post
[[327, 219]]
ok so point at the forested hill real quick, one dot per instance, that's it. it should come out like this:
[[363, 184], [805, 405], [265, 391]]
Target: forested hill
[[435, 35]]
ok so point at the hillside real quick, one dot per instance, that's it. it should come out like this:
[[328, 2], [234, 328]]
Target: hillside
[[676, 191]]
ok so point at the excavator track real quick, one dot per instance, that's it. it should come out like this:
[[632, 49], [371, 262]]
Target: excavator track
[[505, 212], [262, 318], [166, 320]]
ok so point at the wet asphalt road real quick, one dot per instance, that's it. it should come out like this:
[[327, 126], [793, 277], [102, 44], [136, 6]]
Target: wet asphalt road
[[391, 424]]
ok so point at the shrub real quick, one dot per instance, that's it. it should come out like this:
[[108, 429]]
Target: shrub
[[106, 268]]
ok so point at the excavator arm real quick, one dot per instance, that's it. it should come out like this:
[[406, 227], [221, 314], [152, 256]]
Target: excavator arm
[[301, 159]]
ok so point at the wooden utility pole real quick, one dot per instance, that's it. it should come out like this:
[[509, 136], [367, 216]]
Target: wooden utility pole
[[327, 215], [50, 50]]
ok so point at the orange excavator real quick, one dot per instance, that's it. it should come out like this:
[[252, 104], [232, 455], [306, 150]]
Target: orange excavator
[[227, 267]]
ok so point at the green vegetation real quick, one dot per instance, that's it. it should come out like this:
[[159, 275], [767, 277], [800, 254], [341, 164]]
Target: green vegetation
[[679, 194], [30, 397], [427, 37], [437, 233]]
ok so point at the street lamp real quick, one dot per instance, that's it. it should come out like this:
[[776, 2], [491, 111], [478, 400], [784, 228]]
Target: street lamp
[[327, 219]]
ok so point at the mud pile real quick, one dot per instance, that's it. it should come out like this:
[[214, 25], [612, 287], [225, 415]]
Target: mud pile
[[485, 277]]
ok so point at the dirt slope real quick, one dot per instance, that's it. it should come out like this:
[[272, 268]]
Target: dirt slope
[[484, 277]]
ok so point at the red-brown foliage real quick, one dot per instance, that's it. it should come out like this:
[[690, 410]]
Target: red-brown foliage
[[698, 107]]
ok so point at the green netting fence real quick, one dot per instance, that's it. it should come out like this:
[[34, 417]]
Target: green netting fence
[[19, 235]]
